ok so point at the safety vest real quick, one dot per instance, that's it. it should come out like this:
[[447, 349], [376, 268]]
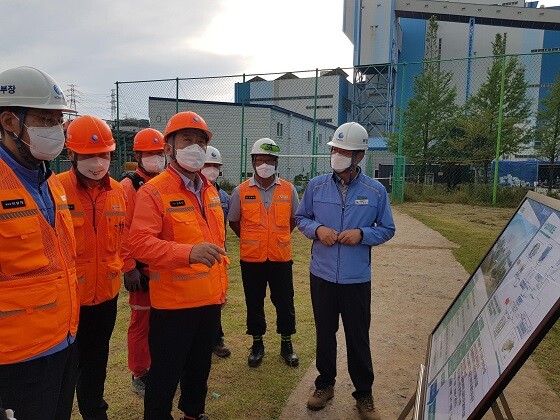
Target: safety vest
[[98, 263], [265, 234], [194, 285], [39, 304]]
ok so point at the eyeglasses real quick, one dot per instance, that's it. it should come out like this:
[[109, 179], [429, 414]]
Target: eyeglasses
[[270, 147], [263, 159], [48, 120]]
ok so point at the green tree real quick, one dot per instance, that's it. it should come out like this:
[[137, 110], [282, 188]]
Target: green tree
[[547, 129], [480, 121], [431, 110]]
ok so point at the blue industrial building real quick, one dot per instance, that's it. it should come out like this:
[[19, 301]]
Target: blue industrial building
[[387, 33]]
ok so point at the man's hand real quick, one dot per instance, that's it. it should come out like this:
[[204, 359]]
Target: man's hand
[[132, 281], [326, 235], [206, 253], [350, 237]]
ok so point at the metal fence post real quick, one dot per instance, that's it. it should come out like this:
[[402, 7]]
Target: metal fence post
[[399, 160], [499, 137], [177, 95], [119, 158], [243, 160], [314, 144]]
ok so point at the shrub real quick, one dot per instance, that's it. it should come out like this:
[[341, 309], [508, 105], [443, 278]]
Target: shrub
[[472, 194]]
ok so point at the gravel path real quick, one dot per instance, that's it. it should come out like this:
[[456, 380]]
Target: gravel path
[[416, 278]]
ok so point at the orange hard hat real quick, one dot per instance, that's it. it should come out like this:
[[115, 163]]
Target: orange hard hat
[[148, 140], [89, 135], [186, 119]]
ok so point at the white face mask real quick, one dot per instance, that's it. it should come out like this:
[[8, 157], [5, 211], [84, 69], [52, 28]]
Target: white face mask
[[154, 164], [191, 157], [45, 143], [211, 173], [266, 170], [340, 163], [94, 168]]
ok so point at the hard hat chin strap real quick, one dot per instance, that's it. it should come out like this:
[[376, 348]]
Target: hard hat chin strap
[[18, 139]]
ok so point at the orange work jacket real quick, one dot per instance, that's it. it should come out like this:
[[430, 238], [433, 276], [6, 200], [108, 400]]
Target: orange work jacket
[[98, 239], [265, 234], [167, 223], [39, 304]]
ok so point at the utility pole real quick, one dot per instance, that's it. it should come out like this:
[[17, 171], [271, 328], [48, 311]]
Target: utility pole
[[72, 97]]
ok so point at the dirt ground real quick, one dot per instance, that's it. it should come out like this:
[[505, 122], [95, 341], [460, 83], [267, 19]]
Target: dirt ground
[[416, 278]]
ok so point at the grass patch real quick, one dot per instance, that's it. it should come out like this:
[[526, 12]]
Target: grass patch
[[475, 228]]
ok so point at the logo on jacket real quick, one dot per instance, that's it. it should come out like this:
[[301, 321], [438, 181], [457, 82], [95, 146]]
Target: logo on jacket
[[361, 201], [13, 204], [250, 197], [177, 203]]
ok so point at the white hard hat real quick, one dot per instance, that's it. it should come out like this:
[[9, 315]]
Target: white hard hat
[[350, 136], [213, 155], [265, 146], [31, 88]]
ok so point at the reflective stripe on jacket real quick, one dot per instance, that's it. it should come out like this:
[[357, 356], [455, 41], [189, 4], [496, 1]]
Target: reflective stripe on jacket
[[167, 223], [98, 242], [39, 303], [265, 234]]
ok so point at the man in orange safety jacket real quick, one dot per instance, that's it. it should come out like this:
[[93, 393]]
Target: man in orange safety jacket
[[261, 213], [148, 153], [39, 304], [178, 231], [98, 205]]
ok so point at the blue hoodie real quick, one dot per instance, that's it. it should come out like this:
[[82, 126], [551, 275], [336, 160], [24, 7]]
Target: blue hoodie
[[366, 207]]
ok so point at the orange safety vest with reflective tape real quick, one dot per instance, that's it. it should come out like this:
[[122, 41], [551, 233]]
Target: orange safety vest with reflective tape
[[39, 304], [98, 263], [265, 234], [183, 222]]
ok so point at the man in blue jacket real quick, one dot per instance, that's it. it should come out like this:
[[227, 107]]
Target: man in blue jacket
[[345, 213]]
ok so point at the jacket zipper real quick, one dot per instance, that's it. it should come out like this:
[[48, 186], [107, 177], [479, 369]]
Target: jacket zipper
[[343, 205]]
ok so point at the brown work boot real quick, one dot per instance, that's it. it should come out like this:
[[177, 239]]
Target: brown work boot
[[319, 399], [366, 408]]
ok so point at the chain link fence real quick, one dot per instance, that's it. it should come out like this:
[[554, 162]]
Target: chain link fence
[[472, 121], [432, 123]]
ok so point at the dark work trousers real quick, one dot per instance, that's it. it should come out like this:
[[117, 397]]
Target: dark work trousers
[[353, 303], [220, 334], [278, 276], [42, 388], [94, 332], [181, 343]]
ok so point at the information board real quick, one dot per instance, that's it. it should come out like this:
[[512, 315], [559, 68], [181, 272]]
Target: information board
[[498, 318]]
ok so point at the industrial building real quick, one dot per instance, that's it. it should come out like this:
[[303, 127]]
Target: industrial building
[[326, 96], [387, 32], [235, 128]]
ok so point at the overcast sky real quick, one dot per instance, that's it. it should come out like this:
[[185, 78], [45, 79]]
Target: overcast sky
[[94, 43]]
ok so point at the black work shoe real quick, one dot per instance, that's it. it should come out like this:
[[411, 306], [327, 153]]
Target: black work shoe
[[256, 355], [139, 385], [288, 354], [221, 350], [200, 417]]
